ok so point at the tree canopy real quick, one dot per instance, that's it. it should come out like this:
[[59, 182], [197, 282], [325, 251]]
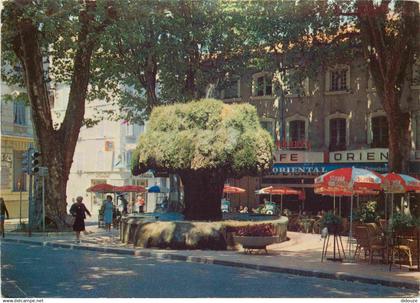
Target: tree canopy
[[162, 52]]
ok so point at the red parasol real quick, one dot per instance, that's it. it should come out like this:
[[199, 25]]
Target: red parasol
[[350, 179], [334, 192], [233, 190], [330, 191], [102, 188], [283, 190], [271, 190], [399, 183], [130, 189]]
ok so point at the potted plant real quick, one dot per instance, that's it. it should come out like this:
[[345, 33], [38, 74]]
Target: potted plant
[[367, 213], [332, 222], [256, 236], [402, 223]]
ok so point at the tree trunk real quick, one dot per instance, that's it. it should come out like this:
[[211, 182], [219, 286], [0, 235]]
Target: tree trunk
[[398, 134], [150, 83], [56, 183], [390, 61], [203, 191], [56, 145], [190, 83]]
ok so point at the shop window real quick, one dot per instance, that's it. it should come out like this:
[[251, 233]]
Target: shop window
[[379, 132], [19, 178], [19, 113], [337, 134]]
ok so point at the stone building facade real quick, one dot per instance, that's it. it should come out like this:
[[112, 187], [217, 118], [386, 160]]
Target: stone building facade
[[334, 120]]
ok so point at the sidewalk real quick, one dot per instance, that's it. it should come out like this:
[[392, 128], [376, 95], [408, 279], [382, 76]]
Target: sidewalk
[[300, 255]]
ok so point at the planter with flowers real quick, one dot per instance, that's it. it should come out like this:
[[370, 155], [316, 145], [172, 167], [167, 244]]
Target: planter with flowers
[[256, 237], [332, 222]]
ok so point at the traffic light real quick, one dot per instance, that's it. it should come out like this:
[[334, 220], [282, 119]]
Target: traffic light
[[35, 163], [26, 162]]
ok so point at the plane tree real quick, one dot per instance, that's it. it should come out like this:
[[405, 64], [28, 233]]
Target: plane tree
[[45, 42]]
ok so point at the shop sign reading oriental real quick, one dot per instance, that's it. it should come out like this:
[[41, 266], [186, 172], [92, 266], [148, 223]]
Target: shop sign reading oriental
[[298, 163], [303, 163]]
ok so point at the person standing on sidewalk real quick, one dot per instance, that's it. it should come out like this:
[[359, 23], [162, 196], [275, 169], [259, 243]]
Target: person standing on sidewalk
[[79, 211], [140, 203], [3, 213], [108, 207]]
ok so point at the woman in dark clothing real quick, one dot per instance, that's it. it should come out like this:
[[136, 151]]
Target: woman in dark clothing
[[3, 213], [79, 211]]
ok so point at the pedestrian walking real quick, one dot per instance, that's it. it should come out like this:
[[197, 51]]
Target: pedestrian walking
[[79, 211], [124, 203], [3, 213], [108, 207]]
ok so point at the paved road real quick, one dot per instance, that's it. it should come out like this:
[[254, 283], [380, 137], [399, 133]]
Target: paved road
[[36, 271]]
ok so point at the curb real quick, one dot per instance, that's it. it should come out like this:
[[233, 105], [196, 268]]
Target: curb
[[208, 260], [42, 234]]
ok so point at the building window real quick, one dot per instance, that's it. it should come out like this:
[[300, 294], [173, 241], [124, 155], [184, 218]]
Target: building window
[[297, 84], [337, 134], [263, 86], [19, 178], [268, 125], [128, 157], [129, 130], [418, 131], [338, 80], [231, 89], [297, 130], [379, 132], [19, 113]]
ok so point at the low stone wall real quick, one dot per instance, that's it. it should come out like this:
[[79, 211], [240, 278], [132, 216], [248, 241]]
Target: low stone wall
[[146, 232]]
